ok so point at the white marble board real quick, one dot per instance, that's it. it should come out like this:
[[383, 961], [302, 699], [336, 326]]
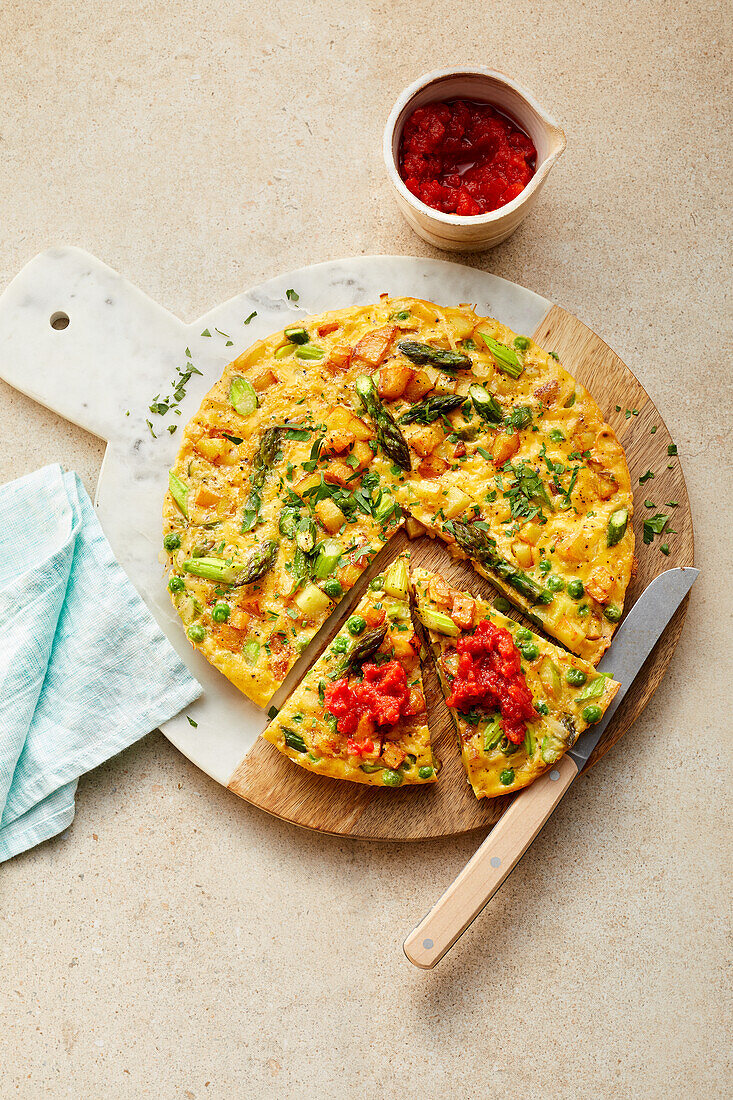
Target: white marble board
[[120, 349]]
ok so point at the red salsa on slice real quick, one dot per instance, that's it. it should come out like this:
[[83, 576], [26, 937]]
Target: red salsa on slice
[[380, 699], [489, 674], [464, 157]]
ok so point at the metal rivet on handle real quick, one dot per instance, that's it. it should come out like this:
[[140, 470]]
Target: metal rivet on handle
[[554, 774], [495, 861], [427, 944]]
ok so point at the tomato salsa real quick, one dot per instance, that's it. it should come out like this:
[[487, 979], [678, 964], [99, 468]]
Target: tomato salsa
[[489, 674], [465, 157], [382, 697]]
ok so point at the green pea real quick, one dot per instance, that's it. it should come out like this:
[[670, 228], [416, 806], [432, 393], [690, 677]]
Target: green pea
[[613, 612], [221, 612], [333, 589], [426, 772], [592, 714], [530, 652], [176, 584], [197, 634], [171, 542], [356, 626], [521, 342], [523, 635], [507, 777], [575, 676], [576, 589], [340, 645], [555, 584], [502, 605], [556, 435], [376, 584], [390, 778]]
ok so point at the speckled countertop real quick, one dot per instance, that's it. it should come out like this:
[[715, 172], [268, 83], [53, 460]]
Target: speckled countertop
[[177, 943]]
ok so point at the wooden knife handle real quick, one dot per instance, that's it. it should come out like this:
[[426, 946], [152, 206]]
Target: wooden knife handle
[[493, 862]]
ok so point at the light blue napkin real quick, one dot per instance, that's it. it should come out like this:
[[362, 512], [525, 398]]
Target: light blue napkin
[[84, 668]]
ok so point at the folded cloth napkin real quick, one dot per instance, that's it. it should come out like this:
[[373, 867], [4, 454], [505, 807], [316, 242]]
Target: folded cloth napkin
[[84, 668]]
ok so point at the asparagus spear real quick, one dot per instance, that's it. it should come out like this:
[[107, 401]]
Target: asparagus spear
[[227, 571], [617, 525], [389, 436], [482, 547], [438, 357], [261, 463], [425, 412], [486, 404], [367, 645]]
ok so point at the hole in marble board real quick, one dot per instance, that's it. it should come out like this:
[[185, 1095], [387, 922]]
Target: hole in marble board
[[59, 320]]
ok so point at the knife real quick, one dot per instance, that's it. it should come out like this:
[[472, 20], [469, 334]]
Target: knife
[[514, 832]]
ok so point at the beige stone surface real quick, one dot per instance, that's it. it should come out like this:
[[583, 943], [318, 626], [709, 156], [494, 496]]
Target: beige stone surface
[[175, 942]]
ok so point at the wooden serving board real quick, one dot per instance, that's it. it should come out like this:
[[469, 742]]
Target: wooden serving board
[[269, 780]]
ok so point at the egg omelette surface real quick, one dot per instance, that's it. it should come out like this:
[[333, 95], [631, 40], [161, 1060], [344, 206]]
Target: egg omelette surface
[[377, 634], [567, 693], [319, 442]]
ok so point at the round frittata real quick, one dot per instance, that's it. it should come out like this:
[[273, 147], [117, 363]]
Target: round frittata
[[319, 442]]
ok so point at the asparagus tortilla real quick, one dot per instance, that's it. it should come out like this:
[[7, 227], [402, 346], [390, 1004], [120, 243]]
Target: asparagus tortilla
[[359, 713], [517, 701], [305, 456]]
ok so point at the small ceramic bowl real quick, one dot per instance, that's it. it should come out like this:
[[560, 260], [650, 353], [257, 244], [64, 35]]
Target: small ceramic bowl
[[455, 232]]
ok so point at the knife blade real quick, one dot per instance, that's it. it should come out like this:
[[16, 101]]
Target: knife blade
[[510, 838]]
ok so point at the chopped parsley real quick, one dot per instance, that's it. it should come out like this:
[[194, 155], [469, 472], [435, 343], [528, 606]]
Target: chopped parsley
[[645, 477], [247, 320], [191, 722], [654, 526], [206, 332], [672, 449], [292, 296]]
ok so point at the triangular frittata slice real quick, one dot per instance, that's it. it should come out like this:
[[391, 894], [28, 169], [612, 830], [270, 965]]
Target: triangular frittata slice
[[359, 713], [518, 702]]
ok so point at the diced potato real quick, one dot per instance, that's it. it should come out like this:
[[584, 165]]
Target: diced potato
[[308, 482], [427, 438], [337, 441], [463, 610], [392, 755], [341, 417], [392, 380], [205, 497], [462, 324], [432, 466], [338, 473], [595, 628], [212, 448], [349, 575], [439, 590], [424, 312], [606, 487], [330, 515], [455, 503], [523, 553], [404, 645], [339, 358], [327, 327], [229, 637], [413, 528], [444, 383], [262, 380], [426, 491], [530, 533], [312, 602], [417, 386], [363, 453], [568, 633], [373, 347], [599, 584], [239, 620], [504, 448]]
